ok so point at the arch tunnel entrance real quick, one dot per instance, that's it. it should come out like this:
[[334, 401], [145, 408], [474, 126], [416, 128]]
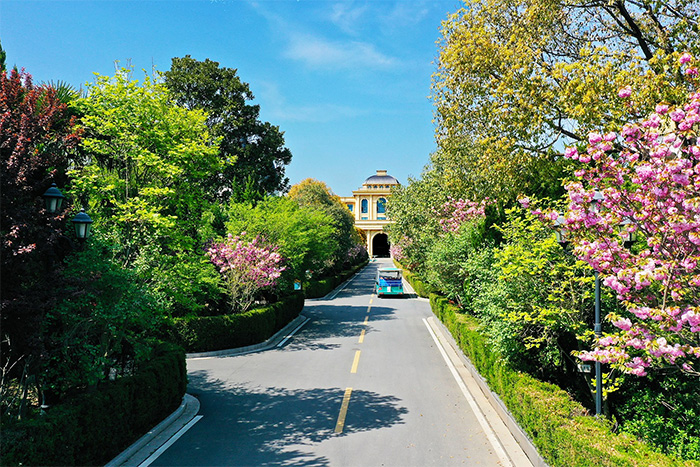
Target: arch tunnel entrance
[[380, 245]]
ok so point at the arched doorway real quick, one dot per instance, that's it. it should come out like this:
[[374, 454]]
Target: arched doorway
[[380, 245]]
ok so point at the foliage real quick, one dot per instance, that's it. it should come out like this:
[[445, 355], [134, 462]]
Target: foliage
[[93, 427], [144, 173], [252, 151], [37, 137], [210, 333], [450, 261], [517, 80], [305, 237], [248, 267], [415, 226], [557, 425], [316, 195], [648, 181], [664, 411], [100, 328]]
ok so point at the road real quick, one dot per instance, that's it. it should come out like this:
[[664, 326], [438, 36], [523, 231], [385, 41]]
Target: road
[[361, 384]]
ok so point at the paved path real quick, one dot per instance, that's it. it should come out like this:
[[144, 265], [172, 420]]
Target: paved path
[[363, 383]]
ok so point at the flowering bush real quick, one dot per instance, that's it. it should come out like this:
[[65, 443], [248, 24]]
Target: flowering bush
[[247, 267], [648, 178], [455, 212]]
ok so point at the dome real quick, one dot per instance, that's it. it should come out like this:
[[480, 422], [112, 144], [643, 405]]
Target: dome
[[381, 178]]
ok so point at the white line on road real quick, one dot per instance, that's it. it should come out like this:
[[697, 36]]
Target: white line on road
[[288, 336], [488, 431], [170, 442]]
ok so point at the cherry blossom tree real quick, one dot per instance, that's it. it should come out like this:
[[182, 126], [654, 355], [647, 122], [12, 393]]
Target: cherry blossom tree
[[644, 181], [247, 267]]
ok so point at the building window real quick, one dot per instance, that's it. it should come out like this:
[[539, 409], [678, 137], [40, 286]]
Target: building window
[[350, 206], [364, 206], [381, 206], [364, 218]]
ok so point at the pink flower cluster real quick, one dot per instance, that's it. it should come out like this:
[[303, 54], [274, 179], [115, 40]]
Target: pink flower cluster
[[247, 263], [455, 212], [646, 182]]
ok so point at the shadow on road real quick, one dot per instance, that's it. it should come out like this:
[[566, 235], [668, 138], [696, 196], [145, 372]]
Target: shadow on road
[[331, 322], [255, 426]]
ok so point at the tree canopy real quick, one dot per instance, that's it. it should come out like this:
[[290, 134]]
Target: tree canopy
[[517, 80], [252, 151]]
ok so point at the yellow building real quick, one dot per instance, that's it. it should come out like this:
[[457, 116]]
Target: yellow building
[[368, 205]]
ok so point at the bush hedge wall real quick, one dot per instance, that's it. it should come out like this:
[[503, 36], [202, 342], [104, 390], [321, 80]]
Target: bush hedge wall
[[209, 333], [558, 426], [93, 427]]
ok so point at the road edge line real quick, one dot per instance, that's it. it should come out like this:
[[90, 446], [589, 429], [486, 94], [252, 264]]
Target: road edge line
[[170, 442], [485, 426]]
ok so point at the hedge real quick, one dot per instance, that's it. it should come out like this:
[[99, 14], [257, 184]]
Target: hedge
[[209, 333], [93, 427], [558, 426], [322, 287]]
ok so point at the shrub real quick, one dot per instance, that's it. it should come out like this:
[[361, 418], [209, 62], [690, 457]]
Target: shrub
[[92, 427], [210, 333]]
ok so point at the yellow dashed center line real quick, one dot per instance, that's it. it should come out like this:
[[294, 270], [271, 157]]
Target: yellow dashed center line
[[362, 337], [343, 411], [355, 362], [366, 320], [370, 300]]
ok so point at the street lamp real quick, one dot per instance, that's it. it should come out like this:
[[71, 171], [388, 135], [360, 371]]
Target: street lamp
[[53, 199], [562, 238], [82, 224]]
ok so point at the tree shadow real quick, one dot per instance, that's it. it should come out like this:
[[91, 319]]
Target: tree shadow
[[334, 322], [265, 426]]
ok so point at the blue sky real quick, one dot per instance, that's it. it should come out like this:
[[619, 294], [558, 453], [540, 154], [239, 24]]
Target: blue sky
[[347, 81]]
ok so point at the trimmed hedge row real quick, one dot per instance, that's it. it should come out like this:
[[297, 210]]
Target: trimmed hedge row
[[209, 333], [321, 288], [559, 427], [421, 288], [93, 427]]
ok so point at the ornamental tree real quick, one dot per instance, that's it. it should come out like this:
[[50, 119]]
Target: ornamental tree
[[37, 137], [247, 268], [648, 177]]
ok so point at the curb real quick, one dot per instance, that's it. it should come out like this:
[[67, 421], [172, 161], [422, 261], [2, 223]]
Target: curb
[[142, 449], [272, 342], [492, 398]]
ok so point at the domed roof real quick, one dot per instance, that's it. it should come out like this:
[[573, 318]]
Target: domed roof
[[381, 178]]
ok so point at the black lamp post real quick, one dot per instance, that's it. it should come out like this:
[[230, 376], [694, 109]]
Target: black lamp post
[[53, 199], [563, 240], [82, 224]]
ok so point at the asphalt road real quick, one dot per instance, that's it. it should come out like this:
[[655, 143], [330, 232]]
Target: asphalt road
[[361, 384]]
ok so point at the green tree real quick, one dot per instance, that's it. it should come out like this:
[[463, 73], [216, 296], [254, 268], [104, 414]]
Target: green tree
[[305, 237], [144, 176], [314, 194], [252, 151], [517, 80]]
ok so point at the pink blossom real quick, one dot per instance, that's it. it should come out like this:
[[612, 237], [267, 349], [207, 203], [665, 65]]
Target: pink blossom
[[685, 58], [661, 108], [624, 92]]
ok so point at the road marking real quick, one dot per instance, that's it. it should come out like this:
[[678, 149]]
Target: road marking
[[366, 320], [343, 411], [288, 336], [369, 308], [343, 287], [362, 337], [371, 300], [355, 362], [488, 431], [170, 442]]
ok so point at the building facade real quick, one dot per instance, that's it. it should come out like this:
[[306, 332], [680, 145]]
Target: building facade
[[368, 205]]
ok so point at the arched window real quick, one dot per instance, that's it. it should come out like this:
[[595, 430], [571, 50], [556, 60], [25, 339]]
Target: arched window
[[364, 206], [381, 206]]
